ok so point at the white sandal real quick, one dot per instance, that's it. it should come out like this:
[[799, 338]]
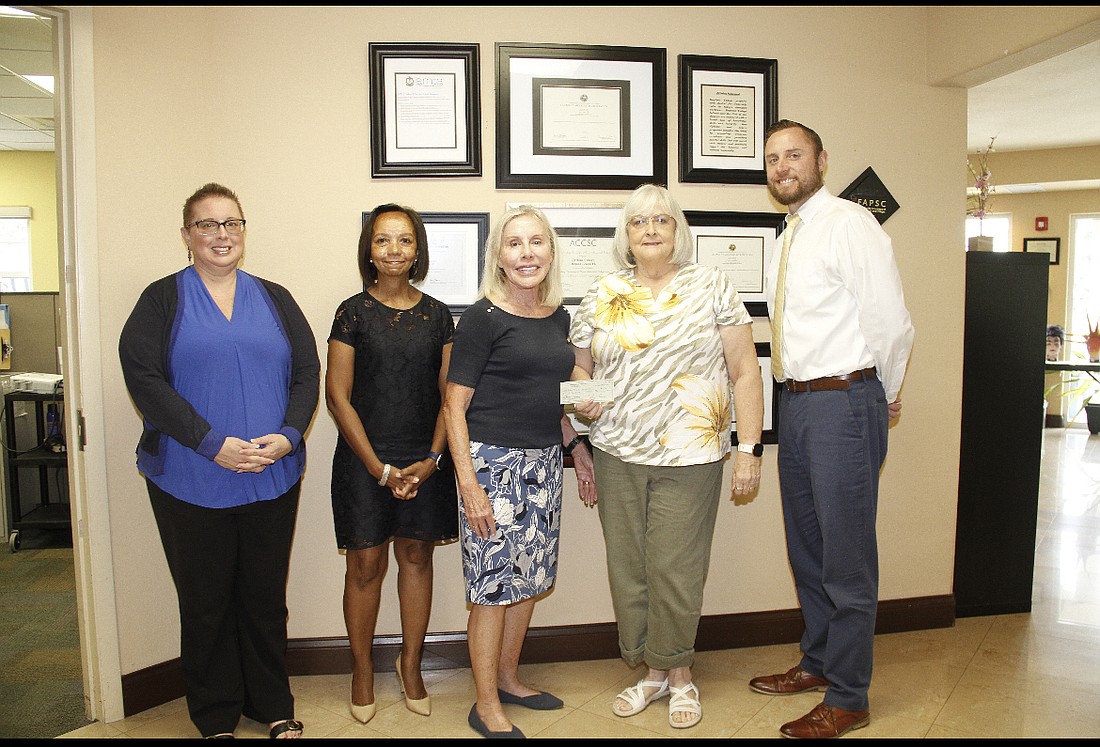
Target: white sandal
[[681, 700], [635, 696]]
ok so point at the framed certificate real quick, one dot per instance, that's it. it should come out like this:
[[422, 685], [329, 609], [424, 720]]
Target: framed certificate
[[425, 110], [769, 433], [741, 244], [726, 105], [456, 250], [1048, 246], [585, 234], [580, 117]]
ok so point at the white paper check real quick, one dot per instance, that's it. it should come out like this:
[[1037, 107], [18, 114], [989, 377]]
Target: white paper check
[[597, 390]]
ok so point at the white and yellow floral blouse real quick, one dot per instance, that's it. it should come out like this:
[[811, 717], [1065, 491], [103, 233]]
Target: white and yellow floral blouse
[[672, 387]]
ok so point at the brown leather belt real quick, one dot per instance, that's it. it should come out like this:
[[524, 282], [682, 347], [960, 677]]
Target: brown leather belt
[[829, 383]]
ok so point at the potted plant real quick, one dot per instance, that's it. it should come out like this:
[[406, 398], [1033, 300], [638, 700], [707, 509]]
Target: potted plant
[[1092, 403], [979, 197], [1092, 340]]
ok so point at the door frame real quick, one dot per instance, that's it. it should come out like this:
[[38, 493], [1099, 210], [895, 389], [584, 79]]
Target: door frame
[[74, 138]]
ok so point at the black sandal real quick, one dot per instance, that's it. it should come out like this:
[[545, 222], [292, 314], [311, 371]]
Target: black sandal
[[284, 726]]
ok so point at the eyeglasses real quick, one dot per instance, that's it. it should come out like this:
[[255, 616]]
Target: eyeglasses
[[210, 227], [640, 222]]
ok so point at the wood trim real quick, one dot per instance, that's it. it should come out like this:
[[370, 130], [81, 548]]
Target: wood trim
[[163, 682]]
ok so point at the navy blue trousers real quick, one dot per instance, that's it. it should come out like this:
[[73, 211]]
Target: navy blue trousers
[[230, 569], [831, 448]]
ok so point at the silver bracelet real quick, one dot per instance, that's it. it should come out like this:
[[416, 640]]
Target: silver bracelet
[[385, 475]]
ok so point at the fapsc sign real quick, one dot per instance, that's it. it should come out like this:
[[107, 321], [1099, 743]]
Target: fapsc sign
[[869, 191]]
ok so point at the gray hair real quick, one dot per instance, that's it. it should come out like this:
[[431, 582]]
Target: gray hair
[[643, 201]]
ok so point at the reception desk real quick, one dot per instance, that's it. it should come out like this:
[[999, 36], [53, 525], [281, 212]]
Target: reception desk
[[1073, 366]]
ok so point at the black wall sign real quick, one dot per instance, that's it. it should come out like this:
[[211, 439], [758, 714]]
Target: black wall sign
[[869, 191]]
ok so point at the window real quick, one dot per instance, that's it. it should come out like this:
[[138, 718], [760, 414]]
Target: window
[[15, 249], [997, 225], [1082, 292], [1084, 295]]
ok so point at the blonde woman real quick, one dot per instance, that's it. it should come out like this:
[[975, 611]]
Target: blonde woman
[[506, 431]]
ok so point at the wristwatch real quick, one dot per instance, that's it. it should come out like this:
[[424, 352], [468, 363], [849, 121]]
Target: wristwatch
[[568, 448], [757, 450], [435, 456]]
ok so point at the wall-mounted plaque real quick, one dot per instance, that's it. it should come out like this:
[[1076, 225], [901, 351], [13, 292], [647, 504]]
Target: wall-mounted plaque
[[869, 191]]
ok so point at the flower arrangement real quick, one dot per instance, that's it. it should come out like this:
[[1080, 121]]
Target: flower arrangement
[[978, 203], [1092, 340]]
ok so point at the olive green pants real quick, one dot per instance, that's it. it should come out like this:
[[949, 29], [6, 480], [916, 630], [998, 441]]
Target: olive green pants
[[658, 523]]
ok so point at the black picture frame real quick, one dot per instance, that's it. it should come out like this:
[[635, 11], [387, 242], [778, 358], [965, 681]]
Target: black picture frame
[[759, 229], [1051, 246], [456, 246], [725, 106], [769, 433], [407, 80], [600, 122]]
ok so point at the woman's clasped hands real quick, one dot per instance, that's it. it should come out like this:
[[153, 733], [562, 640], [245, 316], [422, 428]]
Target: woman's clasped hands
[[404, 483], [252, 456]]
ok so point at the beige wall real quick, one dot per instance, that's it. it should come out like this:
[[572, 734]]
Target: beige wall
[[1051, 165], [275, 105], [1057, 207], [30, 179]]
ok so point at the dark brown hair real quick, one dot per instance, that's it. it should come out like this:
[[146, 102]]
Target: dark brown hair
[[419, 269]]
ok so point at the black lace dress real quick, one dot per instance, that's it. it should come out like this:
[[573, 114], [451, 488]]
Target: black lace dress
[[395, 390]]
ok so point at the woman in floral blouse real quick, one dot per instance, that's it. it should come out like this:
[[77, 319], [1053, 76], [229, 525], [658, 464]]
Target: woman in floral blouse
[[672, 336]]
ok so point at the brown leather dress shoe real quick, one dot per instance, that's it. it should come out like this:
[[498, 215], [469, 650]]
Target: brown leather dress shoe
[[825, 722], [796, 680]]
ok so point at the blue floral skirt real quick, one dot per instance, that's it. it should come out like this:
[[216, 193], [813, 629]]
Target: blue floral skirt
[[520, 559]]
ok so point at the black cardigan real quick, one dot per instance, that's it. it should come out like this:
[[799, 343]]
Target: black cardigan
[[144, 349]]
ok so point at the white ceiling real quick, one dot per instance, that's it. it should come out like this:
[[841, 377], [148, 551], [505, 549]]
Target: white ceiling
[[1052, 104], [26, 110]]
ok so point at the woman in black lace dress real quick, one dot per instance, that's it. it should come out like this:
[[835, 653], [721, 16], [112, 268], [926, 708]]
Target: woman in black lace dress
[[392, 478]]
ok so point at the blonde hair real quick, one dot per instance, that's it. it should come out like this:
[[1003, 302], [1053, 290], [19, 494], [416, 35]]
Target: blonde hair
[[493, 284], [643, 201]]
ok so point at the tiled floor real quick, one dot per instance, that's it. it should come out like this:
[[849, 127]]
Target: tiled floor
[[1026, 675]]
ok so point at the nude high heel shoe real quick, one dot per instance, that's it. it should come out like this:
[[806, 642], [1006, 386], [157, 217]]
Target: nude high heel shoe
[[363, 713], [423, 706]]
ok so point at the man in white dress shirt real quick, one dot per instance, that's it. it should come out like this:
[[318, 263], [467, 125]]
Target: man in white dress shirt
[[843, 346]]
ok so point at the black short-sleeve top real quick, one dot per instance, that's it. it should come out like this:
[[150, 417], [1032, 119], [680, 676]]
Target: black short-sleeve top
[[514, 364]]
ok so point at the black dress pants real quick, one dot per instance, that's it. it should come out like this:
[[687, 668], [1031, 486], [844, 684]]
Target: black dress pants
[[230, 569]]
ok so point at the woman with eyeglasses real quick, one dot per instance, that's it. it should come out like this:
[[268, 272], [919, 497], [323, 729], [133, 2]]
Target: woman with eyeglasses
[[391, 482], [223, 367], [673, 336]]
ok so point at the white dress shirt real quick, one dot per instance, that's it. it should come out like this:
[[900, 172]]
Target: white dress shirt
[[844, 308]]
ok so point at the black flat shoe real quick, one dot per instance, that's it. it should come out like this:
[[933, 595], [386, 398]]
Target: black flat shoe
[[479, 726], [543, 701], [284, 726]]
